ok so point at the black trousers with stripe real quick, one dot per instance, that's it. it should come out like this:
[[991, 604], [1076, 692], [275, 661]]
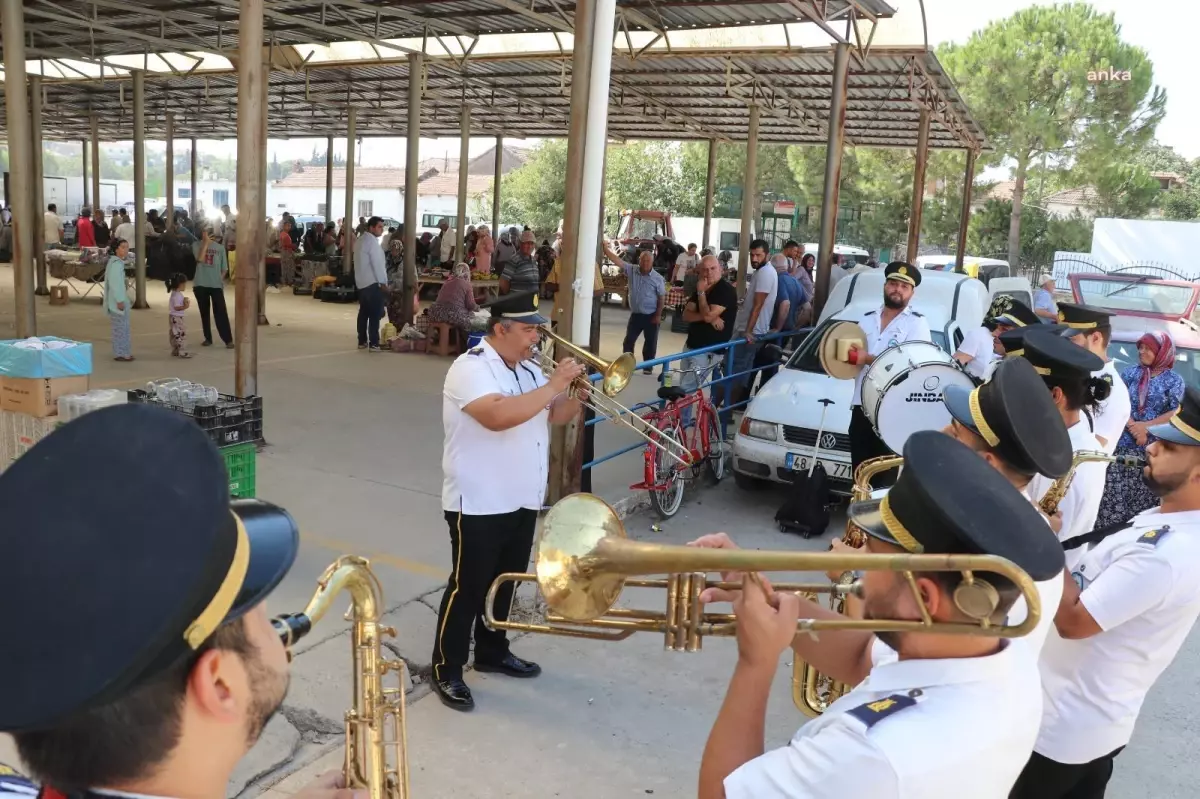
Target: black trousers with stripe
[[482, 548]]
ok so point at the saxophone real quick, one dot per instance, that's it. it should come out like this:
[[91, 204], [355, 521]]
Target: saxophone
[[1049, 502], [813, 692], [376, 744]]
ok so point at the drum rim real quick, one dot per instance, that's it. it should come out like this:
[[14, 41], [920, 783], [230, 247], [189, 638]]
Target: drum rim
[[947, 359]]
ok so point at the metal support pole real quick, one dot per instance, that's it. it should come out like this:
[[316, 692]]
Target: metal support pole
[[464, 132], [194, 205], [351, 132], [139, 187], [328, 179], [964, 218], [918, 194], [251, 154], [83, 152], [833, 175], [95, 123], [170, 172], [499, 173], [412, 176], [587, 139], [26, 219], [710, 189], [39, 179], [262, 205], [749, 200]]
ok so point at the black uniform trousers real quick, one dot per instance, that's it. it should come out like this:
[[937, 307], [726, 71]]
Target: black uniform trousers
[[1044, 778], [864, 445], [482, 548]]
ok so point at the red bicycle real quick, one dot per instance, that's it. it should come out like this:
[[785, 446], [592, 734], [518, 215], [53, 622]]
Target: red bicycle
[[691, 419]]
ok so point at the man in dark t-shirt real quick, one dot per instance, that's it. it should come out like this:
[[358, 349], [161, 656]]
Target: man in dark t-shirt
[[709, 312]]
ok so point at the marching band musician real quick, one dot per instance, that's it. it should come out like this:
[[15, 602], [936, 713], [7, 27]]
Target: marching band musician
[[153, 667], [972, 691], [497, 406], [1008, 317], [1091, 328], [1014, 425], [1127, 607], [1067, 371], [894, 323]]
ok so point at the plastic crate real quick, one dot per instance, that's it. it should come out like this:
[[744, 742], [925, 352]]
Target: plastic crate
[[240, 463], [233, 420]]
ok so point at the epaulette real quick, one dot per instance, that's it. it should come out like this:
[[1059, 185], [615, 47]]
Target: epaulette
[[13, 783], [475, 351], [869, 313], [873, 712], [918, 314], [1107, 378], [1152, 537]]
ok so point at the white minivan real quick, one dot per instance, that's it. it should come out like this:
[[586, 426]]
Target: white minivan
[[778, 431]]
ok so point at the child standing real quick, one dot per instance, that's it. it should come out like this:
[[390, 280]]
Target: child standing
[[177, 305]]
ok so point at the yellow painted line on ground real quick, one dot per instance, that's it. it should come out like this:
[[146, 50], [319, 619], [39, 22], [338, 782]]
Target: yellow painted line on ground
[[350, 548]]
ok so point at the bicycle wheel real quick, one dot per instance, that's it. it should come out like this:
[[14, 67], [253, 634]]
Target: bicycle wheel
[[667, 473], [718, 451]]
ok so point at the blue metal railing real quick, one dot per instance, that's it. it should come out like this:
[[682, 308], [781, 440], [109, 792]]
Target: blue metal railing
[[725, 408]]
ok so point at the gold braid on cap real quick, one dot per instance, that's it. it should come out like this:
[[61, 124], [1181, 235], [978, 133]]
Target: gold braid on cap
[[981, 423], [1184, 427], [897, 529], [222, 601]]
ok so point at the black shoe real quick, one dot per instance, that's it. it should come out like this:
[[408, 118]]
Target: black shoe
[[206, 344], [511, 665], [647, 371], [362, 346], [229, 345], [454, 694]]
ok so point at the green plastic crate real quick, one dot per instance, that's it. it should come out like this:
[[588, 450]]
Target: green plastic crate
[[240, 464]]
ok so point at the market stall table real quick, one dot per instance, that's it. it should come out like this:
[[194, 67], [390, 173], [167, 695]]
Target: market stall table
[[489, 287]]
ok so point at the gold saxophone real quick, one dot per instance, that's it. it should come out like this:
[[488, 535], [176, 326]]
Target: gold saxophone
[[376, 743], [813, 692], [1049, 502]]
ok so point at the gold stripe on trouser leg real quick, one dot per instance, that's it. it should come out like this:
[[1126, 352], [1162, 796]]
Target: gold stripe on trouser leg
[[449, 604]]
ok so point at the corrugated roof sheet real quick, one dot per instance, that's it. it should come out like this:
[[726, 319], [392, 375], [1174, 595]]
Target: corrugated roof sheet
[[679, 95]]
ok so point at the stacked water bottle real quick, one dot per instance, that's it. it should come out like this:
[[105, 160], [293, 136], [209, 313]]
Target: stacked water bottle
[[72, 406], [182, 393]]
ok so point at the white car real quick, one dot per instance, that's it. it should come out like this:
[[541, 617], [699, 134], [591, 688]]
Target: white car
[[779, 428]]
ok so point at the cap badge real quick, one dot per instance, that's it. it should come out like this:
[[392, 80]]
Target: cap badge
[[1062, 316], [535, 300], [903, 270], [872, 712]]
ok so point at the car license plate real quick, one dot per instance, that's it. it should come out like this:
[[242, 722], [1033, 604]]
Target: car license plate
[[800, 463]]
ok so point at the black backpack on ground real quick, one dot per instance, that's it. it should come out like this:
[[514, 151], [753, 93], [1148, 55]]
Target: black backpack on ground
[[806, 509]]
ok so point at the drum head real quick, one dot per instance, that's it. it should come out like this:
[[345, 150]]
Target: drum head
[[889, 367], [914, 403]]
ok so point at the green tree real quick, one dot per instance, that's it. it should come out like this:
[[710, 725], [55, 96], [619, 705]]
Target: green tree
[[1025, 79], [535, 193], [651, 175], [774, 178]]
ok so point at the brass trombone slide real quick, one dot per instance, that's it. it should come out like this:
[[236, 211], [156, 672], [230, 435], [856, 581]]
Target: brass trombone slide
[[615, 376], [584, 560]]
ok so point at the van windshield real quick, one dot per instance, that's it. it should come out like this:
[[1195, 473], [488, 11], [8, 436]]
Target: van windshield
[[806, 358]]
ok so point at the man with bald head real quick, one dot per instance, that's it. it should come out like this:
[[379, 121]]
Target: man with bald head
[[709, 312]]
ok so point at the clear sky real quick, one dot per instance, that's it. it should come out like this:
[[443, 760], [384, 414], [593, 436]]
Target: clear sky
[[1166, 29]]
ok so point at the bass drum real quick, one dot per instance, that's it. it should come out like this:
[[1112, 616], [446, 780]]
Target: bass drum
[[902, 390]]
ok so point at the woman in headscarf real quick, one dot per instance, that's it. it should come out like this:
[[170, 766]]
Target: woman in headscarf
[[456, 300], [1156, 390], [394, 258]]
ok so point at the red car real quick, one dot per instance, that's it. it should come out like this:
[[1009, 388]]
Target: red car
[[1143, 304]]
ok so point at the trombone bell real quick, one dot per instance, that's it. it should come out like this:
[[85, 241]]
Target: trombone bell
[[570, 534]]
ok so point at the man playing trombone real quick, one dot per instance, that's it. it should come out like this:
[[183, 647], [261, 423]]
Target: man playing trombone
[[497, 405], [972, 692]]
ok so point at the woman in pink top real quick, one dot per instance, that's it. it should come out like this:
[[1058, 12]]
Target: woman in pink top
[[484, 247]]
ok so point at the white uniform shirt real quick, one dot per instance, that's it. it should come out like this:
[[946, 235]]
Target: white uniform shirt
[[1144, 594], [875, 741], [1114, 412], [979, 344], [1081, 504], [487, 472], [908, 325]]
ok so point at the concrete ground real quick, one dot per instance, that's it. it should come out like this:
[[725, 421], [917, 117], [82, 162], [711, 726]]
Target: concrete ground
[[354, 447]]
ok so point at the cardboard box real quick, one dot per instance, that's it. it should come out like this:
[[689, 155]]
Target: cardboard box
[[73, 361], [38, 396], [19, 432]]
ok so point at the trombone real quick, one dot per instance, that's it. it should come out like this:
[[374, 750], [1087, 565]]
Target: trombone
[[615, 376], [584, 559]]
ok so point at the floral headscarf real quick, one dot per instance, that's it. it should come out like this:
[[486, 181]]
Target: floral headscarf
[[1163, 347], [461, 270]]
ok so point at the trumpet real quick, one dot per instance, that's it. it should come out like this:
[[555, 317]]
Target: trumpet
[[1049, 502], [584, 560], [812, 691], [615, 376], [376, 757]]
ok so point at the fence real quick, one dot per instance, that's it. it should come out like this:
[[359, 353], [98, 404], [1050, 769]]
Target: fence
[[727, 350]]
